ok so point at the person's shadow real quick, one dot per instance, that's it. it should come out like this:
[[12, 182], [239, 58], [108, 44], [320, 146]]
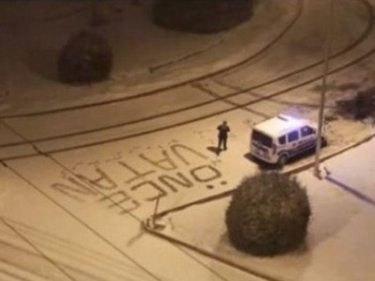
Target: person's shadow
[[214, 149]]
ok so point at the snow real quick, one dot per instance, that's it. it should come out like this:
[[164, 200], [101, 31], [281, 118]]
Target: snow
[[340, 242], [76, 211], [188, 56]]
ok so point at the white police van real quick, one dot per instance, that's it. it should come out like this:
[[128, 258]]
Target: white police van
[[278, 139]]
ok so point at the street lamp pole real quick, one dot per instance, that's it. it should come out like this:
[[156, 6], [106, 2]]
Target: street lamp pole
[[327, 49]]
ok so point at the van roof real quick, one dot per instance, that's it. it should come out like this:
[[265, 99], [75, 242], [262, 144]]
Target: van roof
[[280, 125]]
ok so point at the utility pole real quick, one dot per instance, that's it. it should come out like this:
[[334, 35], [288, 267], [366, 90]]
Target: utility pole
[[327, 49]]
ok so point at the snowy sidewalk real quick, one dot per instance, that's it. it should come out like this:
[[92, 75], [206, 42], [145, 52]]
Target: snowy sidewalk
[[340, 244], [354, 171]]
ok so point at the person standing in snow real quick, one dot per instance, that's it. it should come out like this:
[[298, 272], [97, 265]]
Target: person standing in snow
[[223, 135]]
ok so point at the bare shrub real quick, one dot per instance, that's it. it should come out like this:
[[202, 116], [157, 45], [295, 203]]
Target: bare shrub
[[268, 215], [85, 58], [199, 16]]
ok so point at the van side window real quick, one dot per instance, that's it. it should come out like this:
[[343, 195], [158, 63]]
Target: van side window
[[307, 131], [293, 136], [282, 140]]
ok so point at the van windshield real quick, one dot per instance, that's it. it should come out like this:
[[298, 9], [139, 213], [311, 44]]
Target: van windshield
[[261, 138]]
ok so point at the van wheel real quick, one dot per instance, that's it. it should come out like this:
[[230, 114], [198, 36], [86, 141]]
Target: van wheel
[[282, 160]]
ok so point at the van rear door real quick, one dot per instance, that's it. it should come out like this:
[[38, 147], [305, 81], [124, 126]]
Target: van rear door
[[261, 144]]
